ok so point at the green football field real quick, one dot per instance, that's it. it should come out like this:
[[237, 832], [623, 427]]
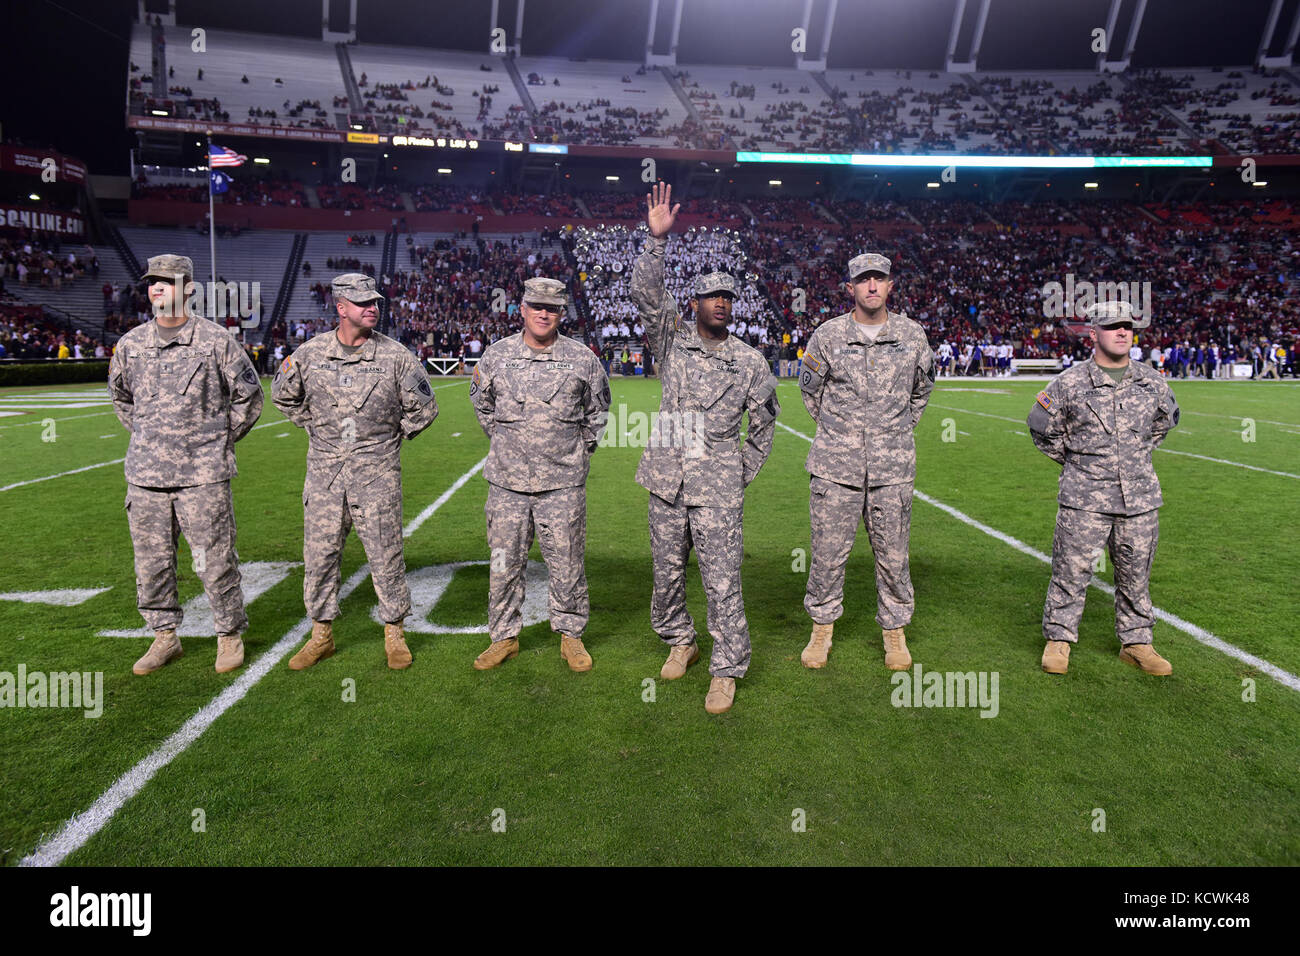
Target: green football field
[[351, 763]]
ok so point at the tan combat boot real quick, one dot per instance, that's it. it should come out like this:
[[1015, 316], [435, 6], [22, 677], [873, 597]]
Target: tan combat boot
[[1056, 657], [680, 657], [573, 651], [230, 652], [897, 657], [722, 691], [819, 648], [1145, 658], [317, 648], [166, 647], [399, 655], [498, 653]]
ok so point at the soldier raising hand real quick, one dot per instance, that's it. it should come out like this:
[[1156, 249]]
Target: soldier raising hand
[[695, 466]]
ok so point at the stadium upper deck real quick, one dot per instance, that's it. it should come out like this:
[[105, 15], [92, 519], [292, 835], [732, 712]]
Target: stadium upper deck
[[293, 82]]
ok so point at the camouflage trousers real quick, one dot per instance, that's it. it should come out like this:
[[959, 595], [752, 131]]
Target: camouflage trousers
[[1083, 536], [330, 511], [559, 520], [835, 511], [205, 514], [716, 534]]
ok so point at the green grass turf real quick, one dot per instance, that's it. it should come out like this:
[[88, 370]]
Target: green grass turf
[[588, 772]]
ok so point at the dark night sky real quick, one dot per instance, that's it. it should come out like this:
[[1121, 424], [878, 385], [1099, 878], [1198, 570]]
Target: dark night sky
[[64, 61]]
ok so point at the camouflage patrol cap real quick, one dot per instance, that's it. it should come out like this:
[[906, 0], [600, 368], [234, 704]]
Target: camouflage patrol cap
[[168, 267], [714, 282], [357, 288], [1113, 312], [540, 290], [868, 262]]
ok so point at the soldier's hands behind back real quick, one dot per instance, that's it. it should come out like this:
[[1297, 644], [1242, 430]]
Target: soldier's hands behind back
[[659, 217]]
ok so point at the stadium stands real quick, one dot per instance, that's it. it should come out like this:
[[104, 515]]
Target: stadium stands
[[246, 77], [413, 90]]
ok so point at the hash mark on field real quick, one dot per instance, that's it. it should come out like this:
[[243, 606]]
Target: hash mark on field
[[79, 828], [1285, 678]]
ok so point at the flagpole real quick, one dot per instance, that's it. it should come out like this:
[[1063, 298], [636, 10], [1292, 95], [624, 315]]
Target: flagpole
[[212, 217]]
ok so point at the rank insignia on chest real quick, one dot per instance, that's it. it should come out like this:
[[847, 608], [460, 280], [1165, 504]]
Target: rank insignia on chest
[[1045, 400], [345, 380]]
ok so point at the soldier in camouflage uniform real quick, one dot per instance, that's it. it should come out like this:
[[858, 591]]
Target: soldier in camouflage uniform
[[185, 390], [865, 380], [1101, 420], [542, 398], [695, 467], [358, 393]]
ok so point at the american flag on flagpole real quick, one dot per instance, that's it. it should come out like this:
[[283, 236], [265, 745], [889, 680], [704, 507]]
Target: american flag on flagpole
[[219, 156]]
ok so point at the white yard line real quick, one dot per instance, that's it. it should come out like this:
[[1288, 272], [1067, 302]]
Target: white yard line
[[66, 418], [1286, 678], [1167, 451], [1238, 418], [32, 481], [82, 826], [427, 513]]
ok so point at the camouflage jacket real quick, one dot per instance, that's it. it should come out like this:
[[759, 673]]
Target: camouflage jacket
[[1104, 435], [185, 403], [695, 444], [543, 413], [866, 398], [356, 408]]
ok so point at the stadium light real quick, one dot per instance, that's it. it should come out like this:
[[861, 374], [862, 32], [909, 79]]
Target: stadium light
[[355, 126], [1090, 185], [1260, 184], [443, 170], [159, 112], [774, 182], [34, 197], [931, 185], [261, 160], [611, 179]]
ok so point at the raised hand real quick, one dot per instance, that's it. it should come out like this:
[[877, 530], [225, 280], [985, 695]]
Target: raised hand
[[659, 217]]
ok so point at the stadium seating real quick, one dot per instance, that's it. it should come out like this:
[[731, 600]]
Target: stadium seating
[[459, 86], [279, 69]]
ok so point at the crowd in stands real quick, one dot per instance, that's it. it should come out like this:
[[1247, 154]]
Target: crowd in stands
[[597, 123], [29, 338], [445, 306], [40, 259]]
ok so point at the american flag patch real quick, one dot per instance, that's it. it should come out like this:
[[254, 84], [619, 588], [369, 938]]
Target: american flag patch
[[1045, 400], [810, 362]]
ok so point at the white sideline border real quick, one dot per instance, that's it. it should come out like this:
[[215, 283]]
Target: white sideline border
[[80, 827], [1283, 677]]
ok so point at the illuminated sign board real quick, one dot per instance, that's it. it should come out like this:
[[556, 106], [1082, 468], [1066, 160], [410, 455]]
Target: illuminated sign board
[[894, 160]]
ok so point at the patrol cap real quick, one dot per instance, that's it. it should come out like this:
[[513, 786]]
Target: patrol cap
[[714, 282], [868, 262], [357, 288], [540, 290], [1113, 312], [168, 267]]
